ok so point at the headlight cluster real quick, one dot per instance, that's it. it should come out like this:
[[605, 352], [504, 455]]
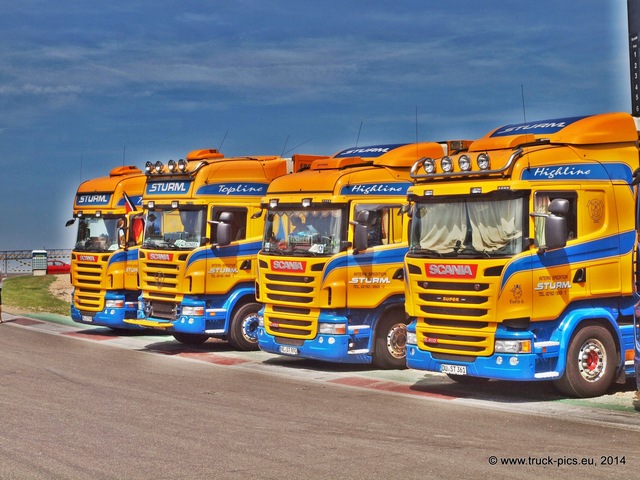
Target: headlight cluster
[[448, 164], [172, 167]]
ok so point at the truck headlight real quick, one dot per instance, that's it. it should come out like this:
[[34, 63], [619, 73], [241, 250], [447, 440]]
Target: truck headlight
[[114, 304], [195, 311], [412, 338], [332, 328], [513, 346]]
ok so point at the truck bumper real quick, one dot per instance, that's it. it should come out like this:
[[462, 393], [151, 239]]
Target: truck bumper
[[501, 366], [327, 348], [109, 317]]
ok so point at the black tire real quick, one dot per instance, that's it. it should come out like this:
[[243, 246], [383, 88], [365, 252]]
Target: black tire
[[591, 363], [467, 380], [190, 338], [390, 350], [243, 331]]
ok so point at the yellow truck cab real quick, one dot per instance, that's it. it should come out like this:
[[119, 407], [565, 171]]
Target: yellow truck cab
[[521, 255], [331, 265], [197, 260], [104, 259]]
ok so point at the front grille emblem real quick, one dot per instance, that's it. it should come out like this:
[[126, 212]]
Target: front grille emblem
[[159, 277]]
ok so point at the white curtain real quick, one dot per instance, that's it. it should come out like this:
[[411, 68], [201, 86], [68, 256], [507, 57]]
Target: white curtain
[[442, 226], [495, 224]]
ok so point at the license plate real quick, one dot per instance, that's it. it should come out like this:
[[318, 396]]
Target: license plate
[[288, 350], [453, 369], [87, 318]]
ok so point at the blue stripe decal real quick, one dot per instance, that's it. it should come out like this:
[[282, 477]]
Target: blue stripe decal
[[368, 152], [124, 256], [580, 171], [386, 188], [537, 128], [234, 189], [612, 246], [135, 199], [239, 250], [388, 256]]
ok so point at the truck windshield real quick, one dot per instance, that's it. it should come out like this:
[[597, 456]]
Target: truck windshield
[[97, 234], [303, 232], [487, 226], [174, 229]]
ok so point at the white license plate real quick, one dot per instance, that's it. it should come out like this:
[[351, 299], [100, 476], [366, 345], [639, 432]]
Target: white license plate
[[288, 350], [87, 318], [453, 369]]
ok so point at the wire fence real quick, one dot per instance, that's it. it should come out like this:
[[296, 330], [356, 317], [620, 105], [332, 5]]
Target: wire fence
[[20, 261]]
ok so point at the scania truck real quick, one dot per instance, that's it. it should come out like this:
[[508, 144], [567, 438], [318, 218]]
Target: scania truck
[[104, 260], [198, 257], [521, 256], [330, 271]]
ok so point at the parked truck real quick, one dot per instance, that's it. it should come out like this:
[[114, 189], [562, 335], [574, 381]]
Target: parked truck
[[104, 259], [197, 260], [521, 255], [330, 271]]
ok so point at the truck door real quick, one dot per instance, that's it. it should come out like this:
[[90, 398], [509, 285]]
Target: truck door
[[559, 275], [232, 263], [375, 273]]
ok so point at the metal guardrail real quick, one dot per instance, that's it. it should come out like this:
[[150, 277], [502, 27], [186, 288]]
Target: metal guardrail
[[19, 261]]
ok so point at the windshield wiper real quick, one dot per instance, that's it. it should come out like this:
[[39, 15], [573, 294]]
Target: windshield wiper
[[426, 250]]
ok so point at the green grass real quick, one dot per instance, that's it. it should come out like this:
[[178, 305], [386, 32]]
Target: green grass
[[32, 294]]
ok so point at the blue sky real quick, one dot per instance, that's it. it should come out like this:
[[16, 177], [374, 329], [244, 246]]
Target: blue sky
[[87, 86]]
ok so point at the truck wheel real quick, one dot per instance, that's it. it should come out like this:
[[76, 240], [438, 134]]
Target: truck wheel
[[390, 343], [190, 338], [243, 331], [591, 363]]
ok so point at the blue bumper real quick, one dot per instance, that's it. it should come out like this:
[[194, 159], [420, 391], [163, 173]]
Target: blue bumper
[[109, 317], [327, 348], [501, 366]]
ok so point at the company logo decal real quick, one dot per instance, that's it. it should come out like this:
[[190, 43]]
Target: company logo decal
[[93, 199], [88, 258], [233, 188], [537, 128], [165, 257], [159, 279], [595, 208], [555, 173], [372, 151], [158, 188], [441, 270], [296, 266], [376, 189]]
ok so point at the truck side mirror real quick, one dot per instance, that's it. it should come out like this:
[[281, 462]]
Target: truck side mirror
[[223, 228], [360, 237], [555, 235], [360, 231], [223, 234]]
